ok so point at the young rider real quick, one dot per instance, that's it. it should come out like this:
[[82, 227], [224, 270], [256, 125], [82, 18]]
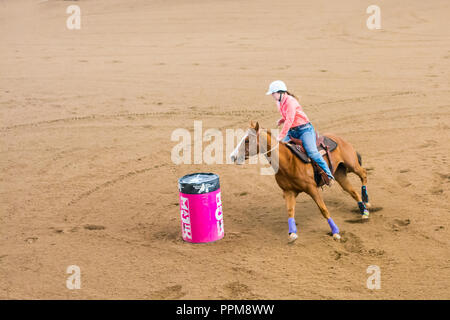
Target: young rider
[[296, 123]]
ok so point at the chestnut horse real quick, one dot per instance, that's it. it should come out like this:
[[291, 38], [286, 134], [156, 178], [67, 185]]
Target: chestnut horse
[[294, 176]]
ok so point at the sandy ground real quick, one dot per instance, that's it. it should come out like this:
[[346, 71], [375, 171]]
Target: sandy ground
[[86, 174]]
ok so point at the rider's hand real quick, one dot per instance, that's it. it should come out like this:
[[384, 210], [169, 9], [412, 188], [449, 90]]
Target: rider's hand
[[280, 122]]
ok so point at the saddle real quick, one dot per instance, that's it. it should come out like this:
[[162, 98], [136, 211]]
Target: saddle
[[325, 145]]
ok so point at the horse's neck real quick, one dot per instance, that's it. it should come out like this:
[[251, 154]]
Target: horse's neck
[[279, 156], [270, 150]]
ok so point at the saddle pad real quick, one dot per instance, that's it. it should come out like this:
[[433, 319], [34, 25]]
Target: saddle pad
[[297, 150]]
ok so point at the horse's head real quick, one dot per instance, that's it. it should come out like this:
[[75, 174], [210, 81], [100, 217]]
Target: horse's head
[[248, 146]]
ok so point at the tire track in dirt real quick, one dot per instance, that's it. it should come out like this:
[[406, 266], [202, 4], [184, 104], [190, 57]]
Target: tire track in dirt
[[113, 181], [406, 43], [202, 113], [88, 117], [359, 99], [130, 115]]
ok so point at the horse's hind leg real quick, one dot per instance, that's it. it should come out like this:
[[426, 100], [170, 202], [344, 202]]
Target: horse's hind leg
[[362, 174], [315, 194], [341, 177]]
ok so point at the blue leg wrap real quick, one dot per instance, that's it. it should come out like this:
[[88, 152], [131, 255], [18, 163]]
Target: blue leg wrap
[[333, 226], [364, 195], [292, 226]]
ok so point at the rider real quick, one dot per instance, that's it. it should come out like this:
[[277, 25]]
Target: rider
[[296, 123]]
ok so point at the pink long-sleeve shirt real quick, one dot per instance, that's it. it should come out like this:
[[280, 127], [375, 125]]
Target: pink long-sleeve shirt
[[292, 113]]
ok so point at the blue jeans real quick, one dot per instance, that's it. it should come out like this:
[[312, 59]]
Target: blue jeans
[[308, 136]]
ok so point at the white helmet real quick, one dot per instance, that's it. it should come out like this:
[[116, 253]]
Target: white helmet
[[276, 86]]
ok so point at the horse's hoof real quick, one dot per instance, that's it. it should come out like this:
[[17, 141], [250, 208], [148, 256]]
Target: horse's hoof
[[368, 205], [292, 237], [337, 237]]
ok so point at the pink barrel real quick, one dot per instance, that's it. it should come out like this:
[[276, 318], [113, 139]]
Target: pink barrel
[[201, 208]]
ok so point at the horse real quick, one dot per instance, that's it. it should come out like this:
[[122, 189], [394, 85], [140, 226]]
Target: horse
[[294, 176]]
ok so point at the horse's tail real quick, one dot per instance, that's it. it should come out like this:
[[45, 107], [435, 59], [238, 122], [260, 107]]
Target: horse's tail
[[359, 158]]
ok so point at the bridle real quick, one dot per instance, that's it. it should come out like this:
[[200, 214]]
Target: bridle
[[264, 153]]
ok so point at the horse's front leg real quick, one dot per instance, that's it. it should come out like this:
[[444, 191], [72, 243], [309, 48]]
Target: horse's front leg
[[315, 194], [290, 196]]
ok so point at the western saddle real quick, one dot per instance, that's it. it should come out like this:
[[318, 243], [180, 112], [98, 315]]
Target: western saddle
[[325, 145]]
